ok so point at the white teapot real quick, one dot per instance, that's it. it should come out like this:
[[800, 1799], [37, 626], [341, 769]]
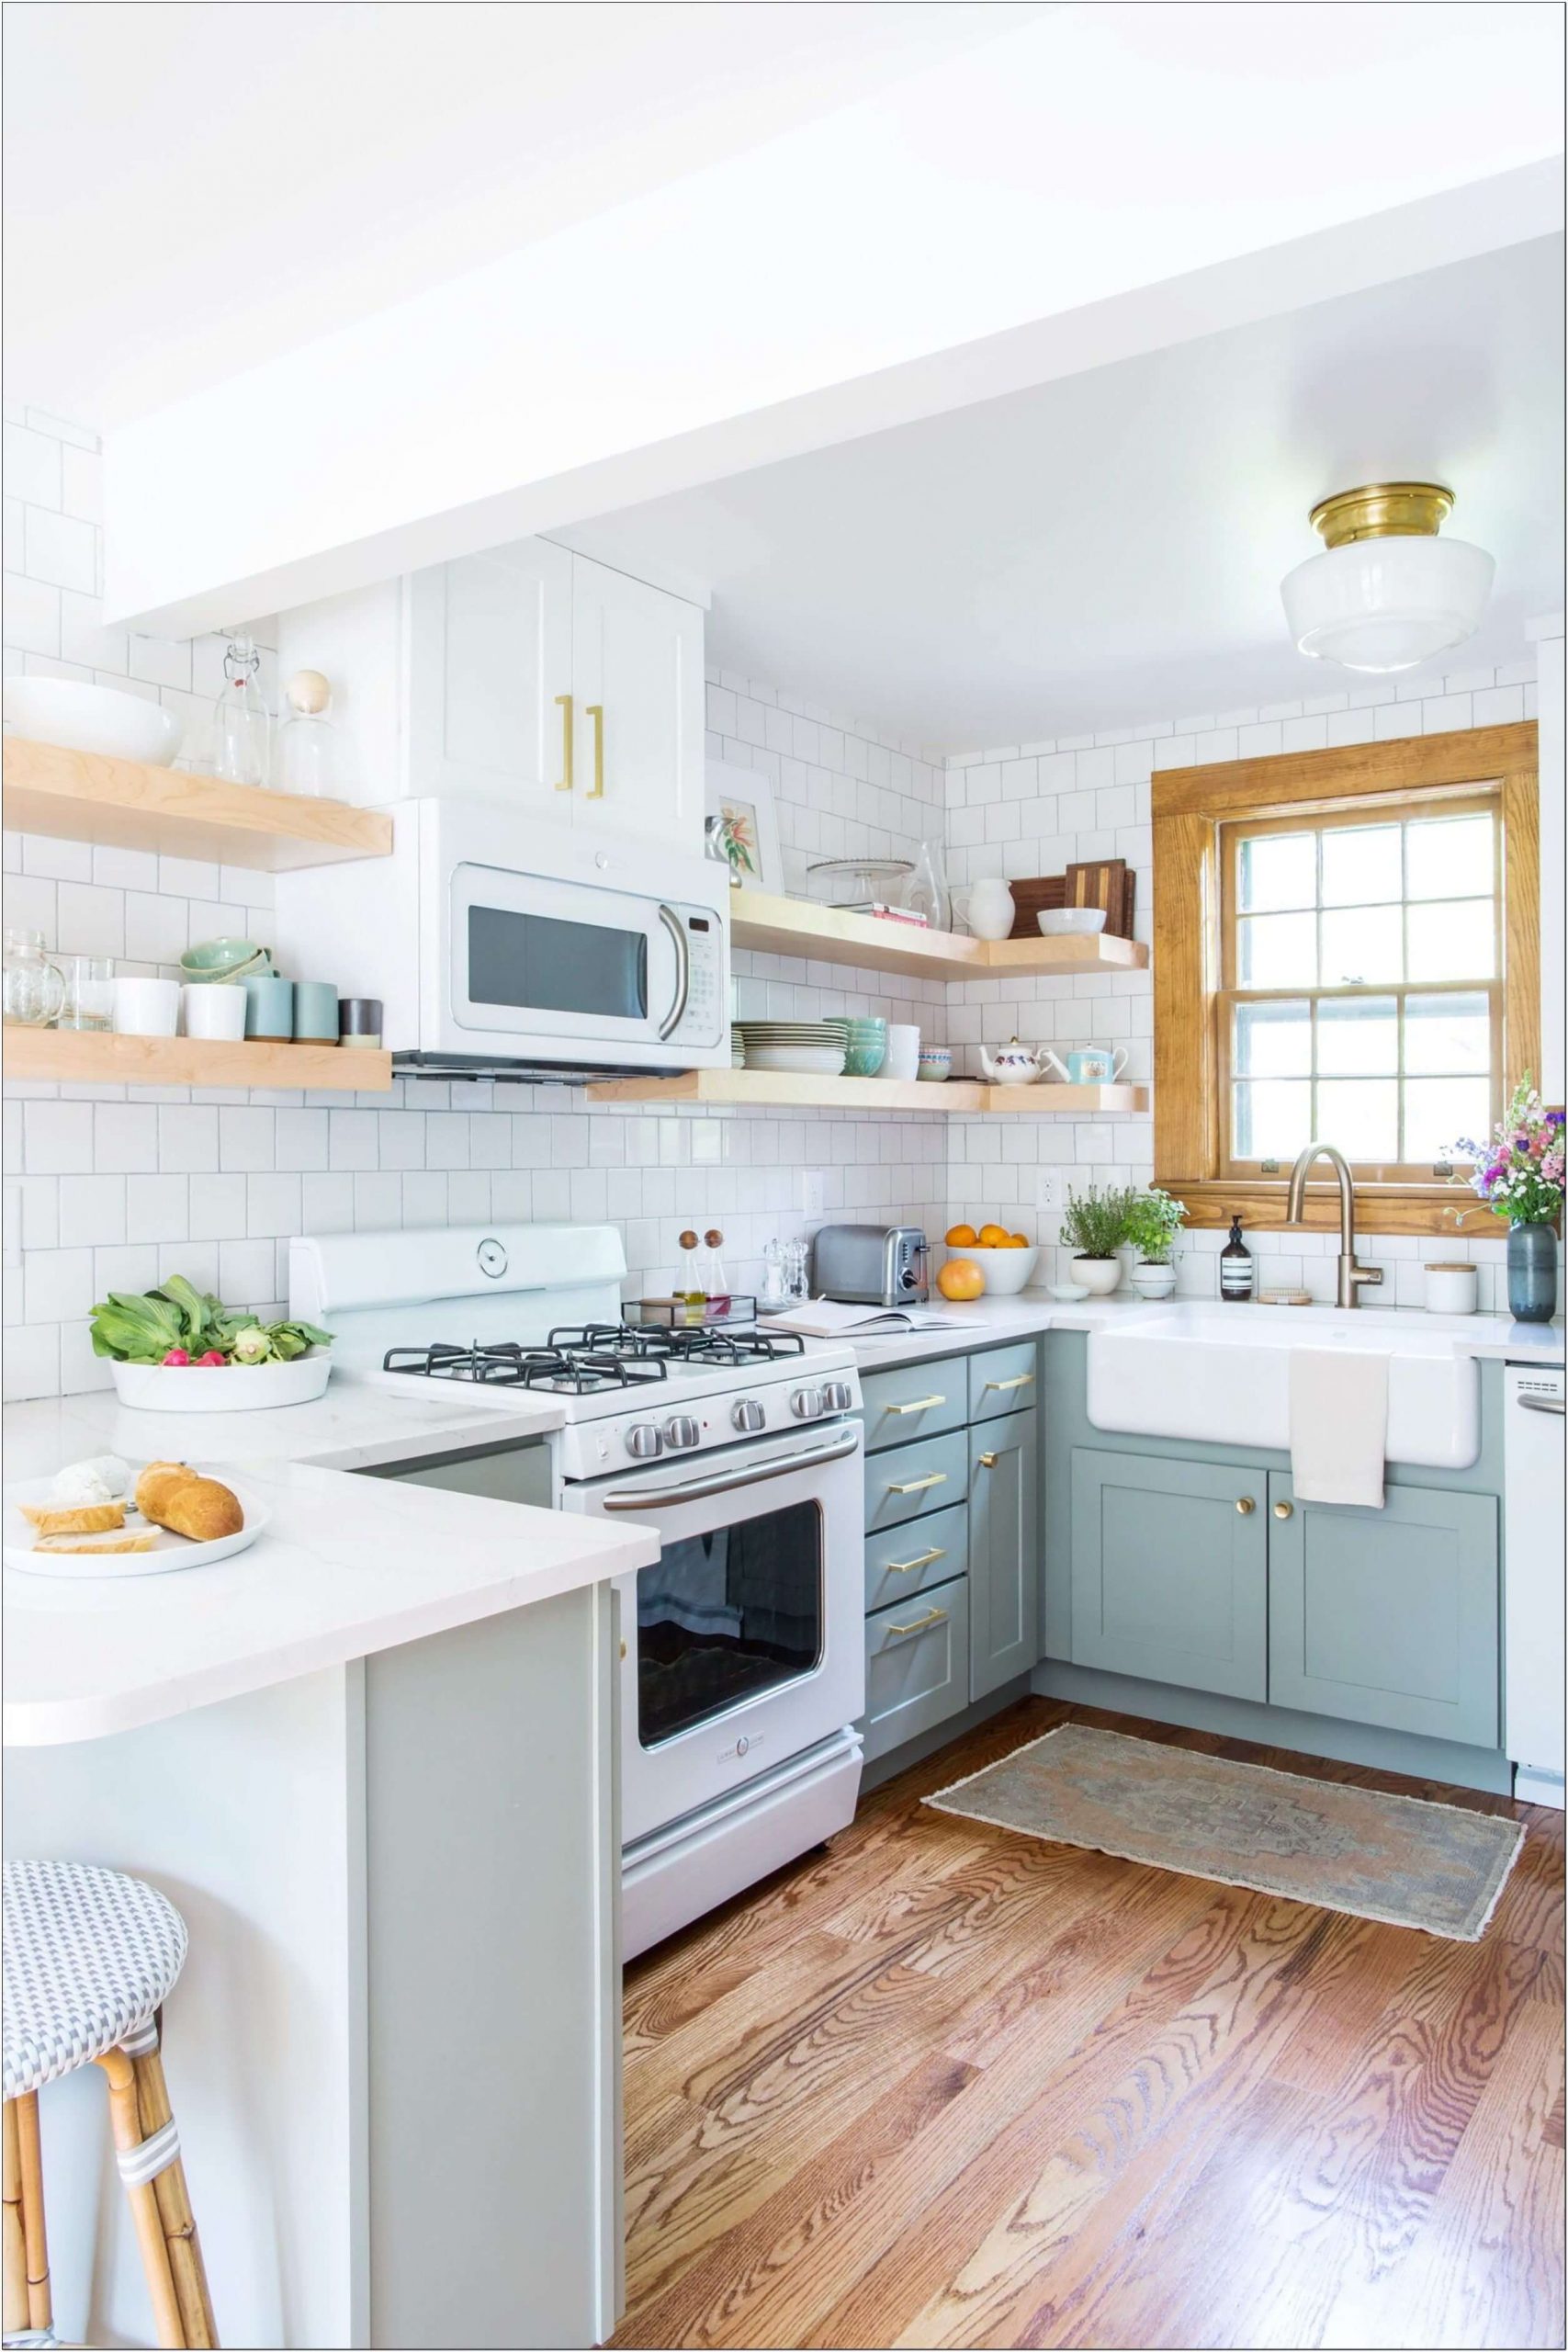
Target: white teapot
[[1011, 1065]]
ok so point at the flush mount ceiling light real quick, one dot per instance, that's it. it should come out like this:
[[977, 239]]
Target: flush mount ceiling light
[[1388, 592]]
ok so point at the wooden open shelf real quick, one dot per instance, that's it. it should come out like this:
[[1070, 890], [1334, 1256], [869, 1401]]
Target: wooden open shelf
[[785, 1089], [98, 1057], [776, 926], [124, 804]]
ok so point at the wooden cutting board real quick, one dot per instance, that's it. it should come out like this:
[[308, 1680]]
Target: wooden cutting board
[[1105, 882]]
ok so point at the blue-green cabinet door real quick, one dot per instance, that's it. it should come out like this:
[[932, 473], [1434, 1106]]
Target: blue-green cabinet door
[[1004, 1551], [1170, 1570], [1386, 1616]]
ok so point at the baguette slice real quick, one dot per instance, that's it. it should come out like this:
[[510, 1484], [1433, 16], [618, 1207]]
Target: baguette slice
[[105, 1544], [86, 1519]]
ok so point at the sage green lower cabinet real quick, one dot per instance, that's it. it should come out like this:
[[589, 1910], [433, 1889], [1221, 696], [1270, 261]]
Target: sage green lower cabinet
[[917, 1666], [1170, 1570], [1004, 1551], [1387, 1616]]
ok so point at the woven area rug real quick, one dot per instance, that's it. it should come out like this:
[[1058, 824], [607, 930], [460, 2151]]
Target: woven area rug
[[1402, 1859]]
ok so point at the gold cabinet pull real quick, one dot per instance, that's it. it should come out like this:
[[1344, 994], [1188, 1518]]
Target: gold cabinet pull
[[563, 703], [917, 1405], [918, 1486], [932, 1617], [1282, 1511], [988, 1462], [907, 1567], [1246, 1505], [596, 713], [1021, 1380]]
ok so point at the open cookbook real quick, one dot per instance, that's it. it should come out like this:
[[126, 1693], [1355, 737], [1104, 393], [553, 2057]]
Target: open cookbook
[[828, 1319]]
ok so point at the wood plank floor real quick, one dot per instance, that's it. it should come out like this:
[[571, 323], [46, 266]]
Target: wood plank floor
[[942, 2084]]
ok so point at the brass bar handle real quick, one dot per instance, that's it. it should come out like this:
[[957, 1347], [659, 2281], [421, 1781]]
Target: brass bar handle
[[1022, 1380], [907, 1567], [1246, 1505], [918, 1486], [1283, 1510], [596, 713], [932, 1617], [563, 703], [917, 1405], [988, 1462]]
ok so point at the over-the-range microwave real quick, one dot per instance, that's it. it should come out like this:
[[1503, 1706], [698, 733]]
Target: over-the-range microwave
[[498, 943]]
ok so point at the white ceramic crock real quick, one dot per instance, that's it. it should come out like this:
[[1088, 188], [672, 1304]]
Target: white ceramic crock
[[1153, 1281], [1451, 1288], [1099, 1276]]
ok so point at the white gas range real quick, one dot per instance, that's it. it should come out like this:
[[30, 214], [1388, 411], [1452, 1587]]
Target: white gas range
[[743, 1658]]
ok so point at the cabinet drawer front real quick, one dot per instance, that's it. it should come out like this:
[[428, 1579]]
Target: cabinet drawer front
[[916, 1400], [1169, 1574], [909, 1480], [1004, 1551], [1387, 1616], [917, 1666], [902, 1561], [1004, 1380]]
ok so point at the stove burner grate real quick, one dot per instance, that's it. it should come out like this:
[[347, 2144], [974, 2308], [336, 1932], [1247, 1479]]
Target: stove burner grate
[[578, 1369]]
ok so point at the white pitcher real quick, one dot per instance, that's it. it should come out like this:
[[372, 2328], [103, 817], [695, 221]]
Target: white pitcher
[[988, 908]]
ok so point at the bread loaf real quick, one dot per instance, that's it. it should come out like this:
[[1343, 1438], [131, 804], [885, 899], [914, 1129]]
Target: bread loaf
[[157, 1482], [202, 1509], [86, 1519]]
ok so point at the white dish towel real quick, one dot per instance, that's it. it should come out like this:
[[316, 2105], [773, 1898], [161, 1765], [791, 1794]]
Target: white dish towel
[[1338, 1425]]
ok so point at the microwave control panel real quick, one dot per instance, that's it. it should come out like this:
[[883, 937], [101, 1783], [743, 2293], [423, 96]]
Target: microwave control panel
[[707, 1015]]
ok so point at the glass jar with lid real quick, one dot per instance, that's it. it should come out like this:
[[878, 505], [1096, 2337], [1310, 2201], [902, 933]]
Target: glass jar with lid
[[34, 988]]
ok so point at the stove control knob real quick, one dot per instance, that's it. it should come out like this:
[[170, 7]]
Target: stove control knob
[[644, 1440], [680, 1431], [748, 1414], [806, 1403], [836, 1396]]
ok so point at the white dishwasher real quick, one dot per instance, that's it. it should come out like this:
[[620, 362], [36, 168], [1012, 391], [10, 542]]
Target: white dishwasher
[[1533, 1631]]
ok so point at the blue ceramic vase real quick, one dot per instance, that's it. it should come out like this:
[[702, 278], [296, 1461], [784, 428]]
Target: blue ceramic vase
[[1532, 1273]]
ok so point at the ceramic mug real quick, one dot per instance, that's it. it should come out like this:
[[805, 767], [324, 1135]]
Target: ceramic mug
[[1096, 1065], [215, 1010], [315, 1012], [269, 1008], [903, 1059], [147, 1008]]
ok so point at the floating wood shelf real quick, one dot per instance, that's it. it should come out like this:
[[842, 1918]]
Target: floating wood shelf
[[98, 1057], [786, 1090], [776, 926], [125, 804]]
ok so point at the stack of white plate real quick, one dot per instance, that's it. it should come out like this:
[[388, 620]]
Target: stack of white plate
[[810, 1048]]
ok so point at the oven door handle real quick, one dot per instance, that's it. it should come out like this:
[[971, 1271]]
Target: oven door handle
[[673, 925], [1542, 1405], [777, 1466]]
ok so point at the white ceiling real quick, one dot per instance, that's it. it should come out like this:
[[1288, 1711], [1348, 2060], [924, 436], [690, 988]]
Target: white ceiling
[[1108, 549], [190, 189]]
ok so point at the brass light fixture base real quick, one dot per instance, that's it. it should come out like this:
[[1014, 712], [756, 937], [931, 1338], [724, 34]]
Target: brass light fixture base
[[1383, 510]]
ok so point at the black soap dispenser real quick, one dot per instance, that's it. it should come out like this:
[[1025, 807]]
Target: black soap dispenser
[[1235, 1264]]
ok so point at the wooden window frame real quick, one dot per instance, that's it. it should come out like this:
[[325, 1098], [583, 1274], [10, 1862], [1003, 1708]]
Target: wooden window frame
[[1189, 808]]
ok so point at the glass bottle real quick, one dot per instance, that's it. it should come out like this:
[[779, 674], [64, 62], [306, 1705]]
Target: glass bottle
[[1235, 1266], [309, 746], [926, 891], [716, 1281], [241, 727], [34, 988], [690, 1293]]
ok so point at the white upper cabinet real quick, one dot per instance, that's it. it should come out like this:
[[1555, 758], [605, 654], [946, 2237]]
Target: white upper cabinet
[[490, 677], [636, 670]]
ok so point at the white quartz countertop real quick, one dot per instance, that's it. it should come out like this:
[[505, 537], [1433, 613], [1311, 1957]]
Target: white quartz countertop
[[348, 1565]]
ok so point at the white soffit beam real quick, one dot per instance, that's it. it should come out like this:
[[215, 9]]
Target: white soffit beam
[[1101, 182]]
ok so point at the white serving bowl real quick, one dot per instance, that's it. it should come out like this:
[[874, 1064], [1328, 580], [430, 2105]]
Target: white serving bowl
[[223, 1389], [1007, 1271], [1071, 922], [80, 718]]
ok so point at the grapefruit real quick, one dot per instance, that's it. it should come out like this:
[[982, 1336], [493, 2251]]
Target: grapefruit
[[960, 1278]]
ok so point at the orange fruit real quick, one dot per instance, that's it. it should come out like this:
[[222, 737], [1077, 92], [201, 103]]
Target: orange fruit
[[960, 1278], [1018, 1241], [994, 1236], [961, 1237]]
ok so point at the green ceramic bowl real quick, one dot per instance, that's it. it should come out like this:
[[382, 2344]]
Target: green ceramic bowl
[[865, 1044], [225, 959]]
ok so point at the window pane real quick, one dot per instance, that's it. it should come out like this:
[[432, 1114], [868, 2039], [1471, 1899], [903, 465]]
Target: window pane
[[1447, 857], [1363, 945], [1273, 1118], [1273, 1040], [1362, 863], [1277, 951], [1448, 1033], [1438, 1110], [1358, 1038], [1278, 870], [1452, 942], [1360, 1114]]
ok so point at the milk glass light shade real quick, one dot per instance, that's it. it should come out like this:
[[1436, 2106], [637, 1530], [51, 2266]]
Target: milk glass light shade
[[1387, 603]]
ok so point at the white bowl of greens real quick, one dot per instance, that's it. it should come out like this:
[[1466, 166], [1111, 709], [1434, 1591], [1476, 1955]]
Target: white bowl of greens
[[179, 1350]]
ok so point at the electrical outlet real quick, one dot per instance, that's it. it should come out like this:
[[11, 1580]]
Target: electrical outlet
[[813, 1191], [1048, 1191]]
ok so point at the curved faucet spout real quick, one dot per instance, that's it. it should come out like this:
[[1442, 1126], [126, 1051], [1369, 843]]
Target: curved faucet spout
[[1352, 1277]]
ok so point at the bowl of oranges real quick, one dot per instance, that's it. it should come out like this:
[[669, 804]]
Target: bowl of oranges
[[992, 1258]]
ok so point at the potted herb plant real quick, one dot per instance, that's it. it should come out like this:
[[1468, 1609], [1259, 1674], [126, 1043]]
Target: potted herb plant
[[1519, 1175], [1154, 1220], [1094, 1226]]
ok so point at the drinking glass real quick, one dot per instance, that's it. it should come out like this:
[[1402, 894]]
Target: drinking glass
[[89, 993]]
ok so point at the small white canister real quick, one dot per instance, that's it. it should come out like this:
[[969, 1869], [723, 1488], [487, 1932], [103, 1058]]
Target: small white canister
[[1450, 1288]]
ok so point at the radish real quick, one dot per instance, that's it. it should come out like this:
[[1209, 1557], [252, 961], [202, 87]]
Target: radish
[[177, 1356]]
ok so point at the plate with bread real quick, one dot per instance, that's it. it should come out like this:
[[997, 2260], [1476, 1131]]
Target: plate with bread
[[101, 1518]]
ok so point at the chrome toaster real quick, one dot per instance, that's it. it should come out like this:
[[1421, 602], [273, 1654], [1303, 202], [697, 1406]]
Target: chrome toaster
[[874, 1265]]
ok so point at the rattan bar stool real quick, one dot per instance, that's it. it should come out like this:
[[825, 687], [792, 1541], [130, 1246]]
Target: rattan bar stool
[[89, 1957]]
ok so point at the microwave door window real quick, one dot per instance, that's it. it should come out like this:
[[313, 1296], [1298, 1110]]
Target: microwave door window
[[723, 1617], [534, 963]]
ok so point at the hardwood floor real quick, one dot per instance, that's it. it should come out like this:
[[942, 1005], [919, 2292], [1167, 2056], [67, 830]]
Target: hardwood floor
[[946, 2086]]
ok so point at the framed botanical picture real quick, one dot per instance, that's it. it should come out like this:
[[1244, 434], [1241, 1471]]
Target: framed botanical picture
[[740, 828]]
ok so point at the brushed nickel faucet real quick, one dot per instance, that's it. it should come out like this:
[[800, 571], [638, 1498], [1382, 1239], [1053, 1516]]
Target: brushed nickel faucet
[[1351, 1277]]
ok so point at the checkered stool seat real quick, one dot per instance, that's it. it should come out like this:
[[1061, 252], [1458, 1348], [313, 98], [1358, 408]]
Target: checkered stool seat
[[89, 1954]]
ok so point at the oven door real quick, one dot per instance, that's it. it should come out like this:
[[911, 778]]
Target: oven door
[[743, 1642]]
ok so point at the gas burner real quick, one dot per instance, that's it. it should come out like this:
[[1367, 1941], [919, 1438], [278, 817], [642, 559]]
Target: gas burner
[[720, 1349], [574, 1370]]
